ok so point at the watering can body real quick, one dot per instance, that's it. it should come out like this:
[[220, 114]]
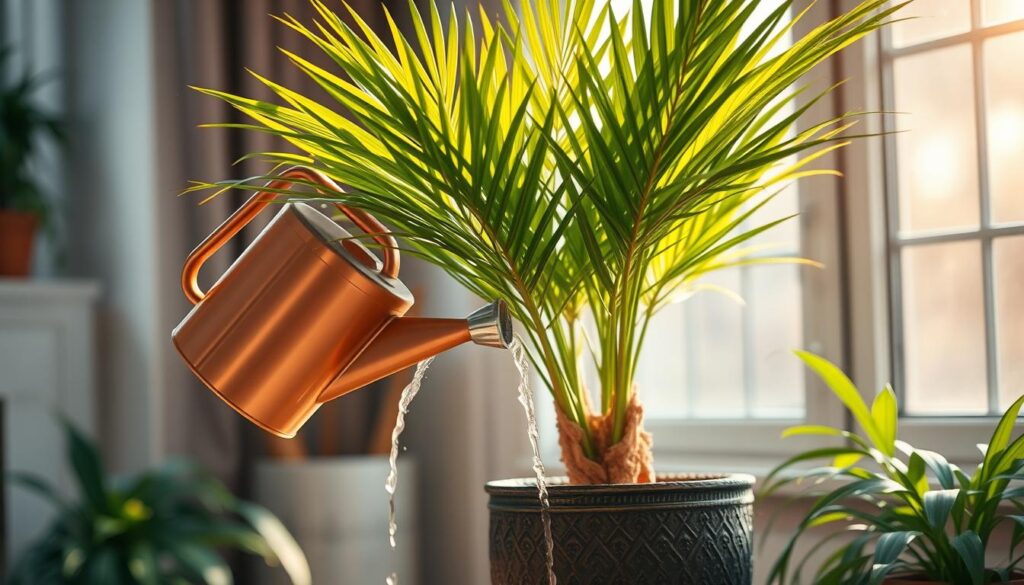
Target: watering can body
[[306, 313]]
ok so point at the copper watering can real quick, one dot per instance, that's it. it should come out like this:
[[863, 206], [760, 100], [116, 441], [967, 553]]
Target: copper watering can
[[307, 314]]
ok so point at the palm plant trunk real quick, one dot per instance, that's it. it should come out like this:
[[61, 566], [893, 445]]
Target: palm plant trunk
[[628, 460]]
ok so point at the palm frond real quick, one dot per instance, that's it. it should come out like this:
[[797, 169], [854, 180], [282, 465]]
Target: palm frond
[[574, 161]]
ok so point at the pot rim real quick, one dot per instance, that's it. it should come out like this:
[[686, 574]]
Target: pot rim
[[665, 482], [672, 491]]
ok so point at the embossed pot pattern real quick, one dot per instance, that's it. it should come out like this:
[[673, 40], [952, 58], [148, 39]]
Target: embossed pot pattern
[[685, 529]]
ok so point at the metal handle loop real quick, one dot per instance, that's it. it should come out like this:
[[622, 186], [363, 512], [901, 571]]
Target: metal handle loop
[[251, 208]]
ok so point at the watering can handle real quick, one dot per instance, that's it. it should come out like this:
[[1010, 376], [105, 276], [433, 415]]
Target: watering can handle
[[251, 208]]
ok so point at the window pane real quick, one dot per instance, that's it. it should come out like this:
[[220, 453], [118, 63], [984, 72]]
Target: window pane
[[1008, 263], [784, 238], [997, 11], [931, 19], [937, 171], [660, 374], [714, 350], [1004, 89], [713, 357], [777, 328], [944, 329]]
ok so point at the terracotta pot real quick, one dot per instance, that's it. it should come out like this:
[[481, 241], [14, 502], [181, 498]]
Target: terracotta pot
[[685, 529], [17, 234]]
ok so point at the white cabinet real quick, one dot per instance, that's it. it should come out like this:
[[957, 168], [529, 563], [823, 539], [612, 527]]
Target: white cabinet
[[47, 341]]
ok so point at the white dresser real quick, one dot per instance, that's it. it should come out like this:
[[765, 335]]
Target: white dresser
[[47, 356]]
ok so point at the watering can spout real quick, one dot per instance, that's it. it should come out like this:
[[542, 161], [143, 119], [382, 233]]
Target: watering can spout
[[406, 341]]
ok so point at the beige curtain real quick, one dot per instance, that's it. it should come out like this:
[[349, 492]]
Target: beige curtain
[[210, 43]]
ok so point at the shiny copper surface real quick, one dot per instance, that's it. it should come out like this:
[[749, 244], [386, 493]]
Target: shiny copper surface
[[300, 318], [248, 211], [280, 324], [402, 343]]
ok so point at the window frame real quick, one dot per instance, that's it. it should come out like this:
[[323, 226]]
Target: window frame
[[870, 233], [755, 445], [847, 309], [985, 232], [845, 223]]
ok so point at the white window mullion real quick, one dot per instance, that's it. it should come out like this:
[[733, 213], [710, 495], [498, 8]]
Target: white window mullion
[[865, 214], [984, 205], [821, 210]]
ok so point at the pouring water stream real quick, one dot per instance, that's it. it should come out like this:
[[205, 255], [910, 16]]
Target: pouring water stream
[[522, 363], [391, 483], [526, 399]]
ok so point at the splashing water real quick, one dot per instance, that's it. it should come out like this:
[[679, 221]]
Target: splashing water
[[526, 399], [391, 483]]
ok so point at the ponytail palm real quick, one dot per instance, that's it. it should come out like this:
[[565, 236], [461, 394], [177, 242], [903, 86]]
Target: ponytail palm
[[580, 163]]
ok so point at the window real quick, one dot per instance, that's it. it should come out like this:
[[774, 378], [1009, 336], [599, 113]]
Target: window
[[923, 246], [954, 186], [725, 351], [717, 377]]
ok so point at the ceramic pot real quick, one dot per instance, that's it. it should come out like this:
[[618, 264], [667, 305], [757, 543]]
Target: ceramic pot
[[337, 509], [17, 235], [685, 529]]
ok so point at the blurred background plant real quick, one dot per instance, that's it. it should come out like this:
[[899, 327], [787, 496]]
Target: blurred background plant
[[909, 512], [23, 205], [169, 525], [22, 123]]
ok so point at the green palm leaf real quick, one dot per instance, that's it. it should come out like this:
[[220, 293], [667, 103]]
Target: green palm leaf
[[579, 163]]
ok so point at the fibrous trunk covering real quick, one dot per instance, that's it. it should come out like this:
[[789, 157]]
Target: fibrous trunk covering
[[628, 461]]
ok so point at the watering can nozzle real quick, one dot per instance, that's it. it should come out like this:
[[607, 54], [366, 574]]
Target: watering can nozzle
[[491, 325]]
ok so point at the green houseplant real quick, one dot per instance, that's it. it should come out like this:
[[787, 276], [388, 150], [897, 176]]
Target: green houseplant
[[588, 166], [23, 207], [908, 514], [584, 165], [163, 526]]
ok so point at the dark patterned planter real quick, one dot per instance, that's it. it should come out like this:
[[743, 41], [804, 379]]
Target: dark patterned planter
[[685, 529]]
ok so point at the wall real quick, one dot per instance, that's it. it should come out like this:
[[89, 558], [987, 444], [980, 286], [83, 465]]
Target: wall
[[114, 220]]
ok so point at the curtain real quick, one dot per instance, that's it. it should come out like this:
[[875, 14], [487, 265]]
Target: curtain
[[210, 44]]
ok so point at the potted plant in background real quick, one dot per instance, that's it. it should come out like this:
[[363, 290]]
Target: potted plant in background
[[23, 207], [909, 516], [169, 525], [587, 166]]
